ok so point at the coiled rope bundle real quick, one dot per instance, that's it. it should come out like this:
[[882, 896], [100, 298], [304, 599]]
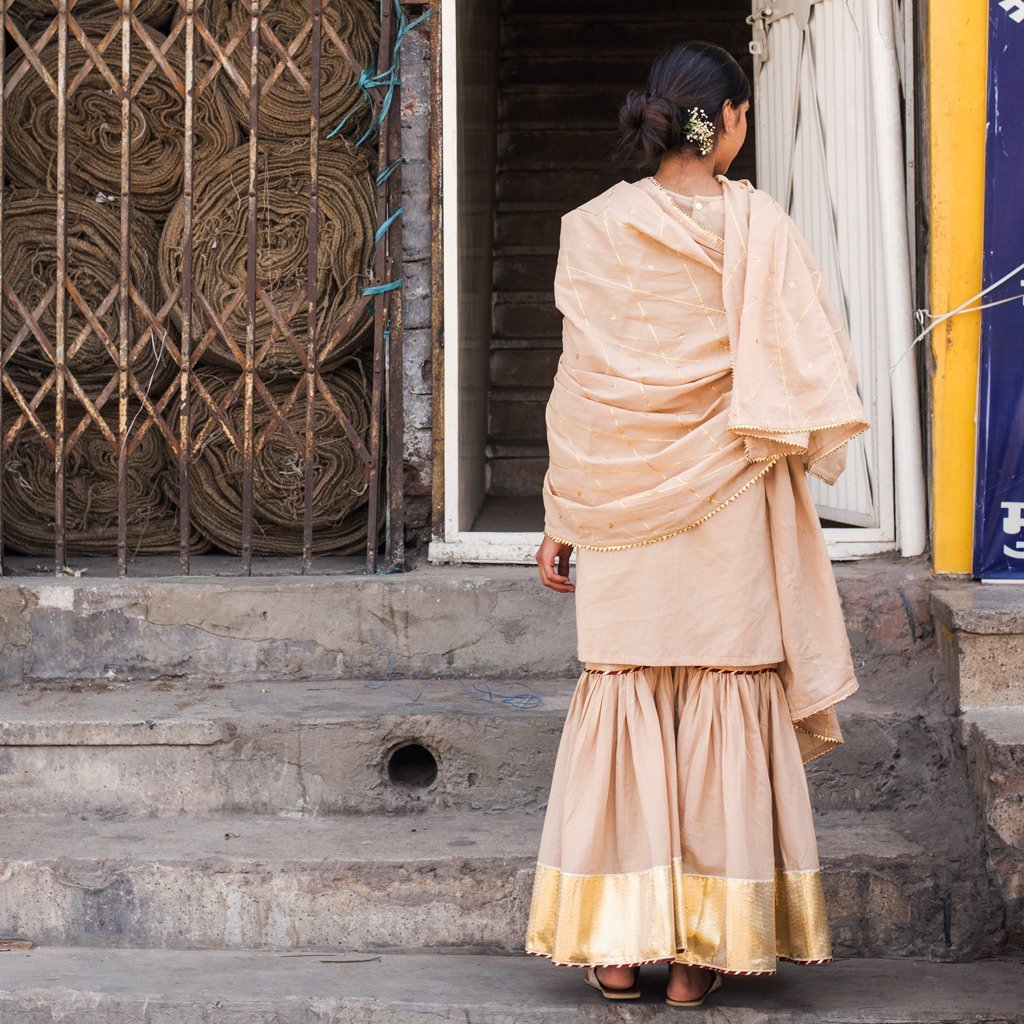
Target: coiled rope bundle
[[94, 125], [284, 101], [33, 16], [220, 253], [339, 475], [93, 267], [90, 494]]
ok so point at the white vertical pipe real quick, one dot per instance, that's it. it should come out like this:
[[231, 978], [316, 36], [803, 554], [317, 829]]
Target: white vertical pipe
[[450, 250], [891, 178]]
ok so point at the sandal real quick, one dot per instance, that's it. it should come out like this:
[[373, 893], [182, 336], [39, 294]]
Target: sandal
[[716, 983], [614, 993]]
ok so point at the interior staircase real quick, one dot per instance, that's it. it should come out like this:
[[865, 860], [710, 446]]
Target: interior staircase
[[563, 74], [319, 800]]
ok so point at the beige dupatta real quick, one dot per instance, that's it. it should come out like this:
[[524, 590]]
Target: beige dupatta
[[692, 365], [646, 439]]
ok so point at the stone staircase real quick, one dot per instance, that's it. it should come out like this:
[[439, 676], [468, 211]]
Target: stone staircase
[[320, 800]]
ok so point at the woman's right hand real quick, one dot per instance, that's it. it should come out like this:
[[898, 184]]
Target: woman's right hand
[[553, 561]]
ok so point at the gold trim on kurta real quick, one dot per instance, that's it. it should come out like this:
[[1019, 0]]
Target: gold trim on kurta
[[729, 924]]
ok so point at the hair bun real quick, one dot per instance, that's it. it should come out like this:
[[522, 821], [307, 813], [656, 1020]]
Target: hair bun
[[649, 124], [693, 74], [631, 116]]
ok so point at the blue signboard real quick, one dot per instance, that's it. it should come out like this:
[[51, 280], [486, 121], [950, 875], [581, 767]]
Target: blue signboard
[[999, 488]]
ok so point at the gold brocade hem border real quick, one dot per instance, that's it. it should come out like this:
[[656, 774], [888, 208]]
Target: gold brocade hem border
[[733, 925], [690, 963]]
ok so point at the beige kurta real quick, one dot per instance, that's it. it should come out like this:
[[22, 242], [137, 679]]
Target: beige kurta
[[674, 602]]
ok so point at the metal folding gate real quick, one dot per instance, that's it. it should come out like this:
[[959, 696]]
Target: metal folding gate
[[172, 413]]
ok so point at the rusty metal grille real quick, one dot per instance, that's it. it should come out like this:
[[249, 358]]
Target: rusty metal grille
[[176, 366]]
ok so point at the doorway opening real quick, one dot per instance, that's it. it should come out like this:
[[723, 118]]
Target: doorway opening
[[561, 77], [530, 105]]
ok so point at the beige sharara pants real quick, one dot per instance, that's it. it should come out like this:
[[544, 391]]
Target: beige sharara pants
[[679, 826]]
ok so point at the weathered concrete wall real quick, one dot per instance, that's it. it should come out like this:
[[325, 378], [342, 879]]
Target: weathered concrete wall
[[485, 622], [88, 986], [981, 632], [417, 115], [58, 985], [287, 748], [449, 879]]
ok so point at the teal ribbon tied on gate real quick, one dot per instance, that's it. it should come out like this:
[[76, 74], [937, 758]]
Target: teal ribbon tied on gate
[[387, 79]]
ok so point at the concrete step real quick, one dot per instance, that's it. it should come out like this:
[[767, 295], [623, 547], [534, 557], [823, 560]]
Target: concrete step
[[516, 415], [517, 451], [583, 11], [995, 742], [504, 513], [981, 634], [626, 72], [636, 32], [497, 622], [351, 746], [494, 623], [589, 105], [981, 629], [521, 148], [447, 879], [513, 477], [101, 986], [518, 367], [553, 185], [524, 273], [523, 318], [283, 748]]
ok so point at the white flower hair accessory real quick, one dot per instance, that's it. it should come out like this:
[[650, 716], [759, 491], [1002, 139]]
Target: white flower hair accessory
[[699, 129]]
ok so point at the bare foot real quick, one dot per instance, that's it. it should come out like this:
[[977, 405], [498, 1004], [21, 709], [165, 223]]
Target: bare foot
[[686, 982], [620, 978]]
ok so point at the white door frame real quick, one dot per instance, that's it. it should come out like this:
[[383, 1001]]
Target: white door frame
[[460, 544]]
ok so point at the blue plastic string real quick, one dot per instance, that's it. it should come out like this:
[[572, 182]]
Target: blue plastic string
[[383, 229], [388, 79], [389, 170], [379, 289]]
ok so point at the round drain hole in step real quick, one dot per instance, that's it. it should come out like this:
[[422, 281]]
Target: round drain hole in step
[[412, 765]]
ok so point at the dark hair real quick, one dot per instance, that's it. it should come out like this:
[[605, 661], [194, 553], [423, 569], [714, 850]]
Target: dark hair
[[692, 74]]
